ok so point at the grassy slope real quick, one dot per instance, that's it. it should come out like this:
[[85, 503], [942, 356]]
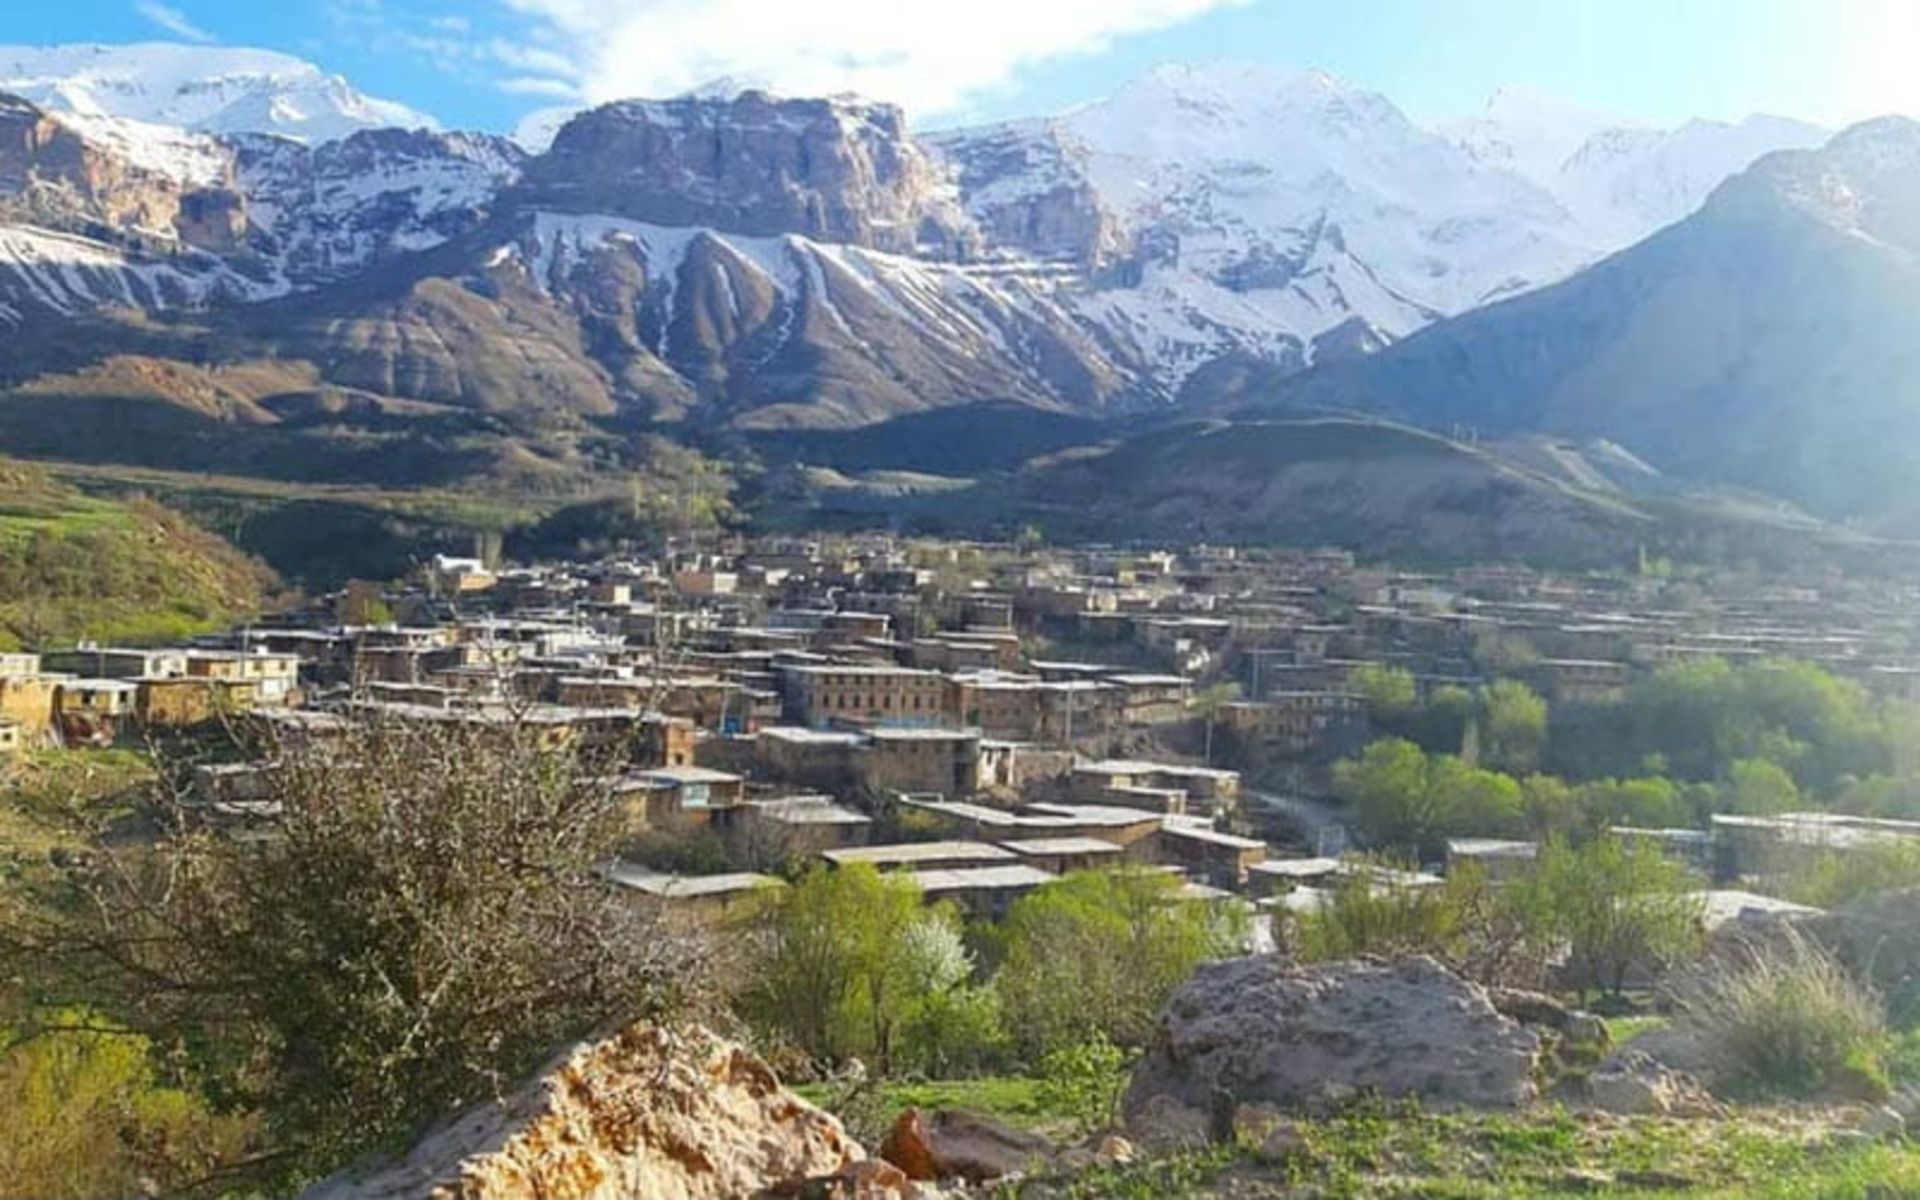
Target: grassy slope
[[73, 565]]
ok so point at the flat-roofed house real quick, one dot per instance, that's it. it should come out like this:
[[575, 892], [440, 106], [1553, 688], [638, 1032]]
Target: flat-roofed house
[[90, 711], [275, 677], [28, 701], [984, 893], [863, 695], [921, 856], [815, 758], [1221, 858], [1143, 784], [1500, 858], [1063, 854], [1148, 699], [694, 899], [919, 760], [799, 825], [666, 797], [118, 662]]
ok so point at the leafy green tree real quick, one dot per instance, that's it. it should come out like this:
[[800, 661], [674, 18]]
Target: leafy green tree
[[1403, 798], [1615, 905], [1099, 952], [1209, 702], [1389, 691], [850, 963], [1514, 726], [1760, 788], [1464, 921]]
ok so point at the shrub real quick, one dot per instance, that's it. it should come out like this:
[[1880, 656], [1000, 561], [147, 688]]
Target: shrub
[[1084, 1081], [428, 922], [1786, 1018]]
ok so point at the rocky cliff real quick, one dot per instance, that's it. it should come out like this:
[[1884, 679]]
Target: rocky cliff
[[835, 170], [54, 175]]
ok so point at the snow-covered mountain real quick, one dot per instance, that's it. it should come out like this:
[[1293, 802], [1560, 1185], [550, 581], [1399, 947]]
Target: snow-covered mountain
[[1620, 179], [1201, 215], [1269, 213], [203, 89]]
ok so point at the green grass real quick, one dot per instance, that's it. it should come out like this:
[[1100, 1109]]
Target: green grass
[[47, 797], [1376, 1152], [75, 565], [1014, 1099], [1621, 1030]]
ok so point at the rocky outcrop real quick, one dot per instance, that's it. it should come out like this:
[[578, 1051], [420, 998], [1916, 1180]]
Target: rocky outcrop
[[1262, 1031], [837, 170], [646, 1114]]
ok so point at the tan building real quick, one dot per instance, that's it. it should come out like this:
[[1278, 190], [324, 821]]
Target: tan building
[[694, 900], [919, 760], [274, 677], [1136, 783], [90, 711], [1063, 854], [178, 703], [1152, 699], [1024, 709], [1203, 851], [1301, 722], [19, 663], [983, 893], [28, 701], [831, 694], [815, 758], [666, 797]]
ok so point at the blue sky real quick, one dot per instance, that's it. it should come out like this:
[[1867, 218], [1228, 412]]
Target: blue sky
[[484, 63]]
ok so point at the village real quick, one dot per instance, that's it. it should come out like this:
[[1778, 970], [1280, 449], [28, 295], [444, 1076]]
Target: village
[[983, 718]]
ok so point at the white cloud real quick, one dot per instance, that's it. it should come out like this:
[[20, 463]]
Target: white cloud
[[927, 57], [172, 20]]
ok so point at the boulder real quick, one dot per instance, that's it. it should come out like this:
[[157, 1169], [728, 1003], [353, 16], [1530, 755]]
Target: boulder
[[1163, 1124], [952, 1144], [1634, 1083], [649, 1113], [1310, 1037]]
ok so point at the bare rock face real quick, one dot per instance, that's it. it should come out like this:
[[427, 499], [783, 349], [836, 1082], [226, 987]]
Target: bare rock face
[[837, 170], [646, 1114], [1027, 187], [1261, 1031], [66, 181]]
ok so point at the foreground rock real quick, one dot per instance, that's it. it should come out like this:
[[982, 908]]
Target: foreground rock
[[1261, 1031], [646, 1114], [1634, 1083], [961, 1145]]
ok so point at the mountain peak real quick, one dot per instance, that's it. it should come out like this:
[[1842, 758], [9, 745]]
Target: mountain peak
[[204, 89]]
